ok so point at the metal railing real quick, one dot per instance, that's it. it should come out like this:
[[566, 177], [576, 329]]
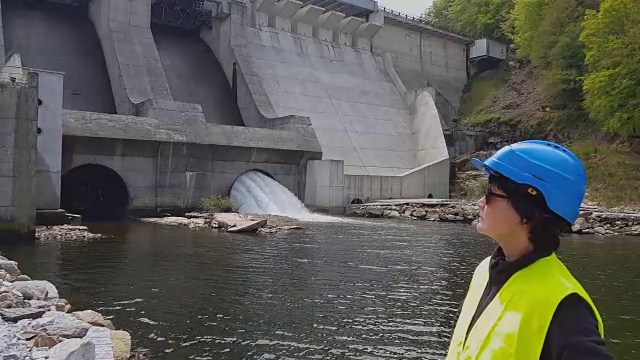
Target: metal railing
[[424, 21]]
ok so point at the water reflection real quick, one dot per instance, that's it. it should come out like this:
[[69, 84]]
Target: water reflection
[[358, 290]]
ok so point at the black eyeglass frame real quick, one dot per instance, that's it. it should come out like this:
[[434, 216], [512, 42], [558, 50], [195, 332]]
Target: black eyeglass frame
[[490, 195]]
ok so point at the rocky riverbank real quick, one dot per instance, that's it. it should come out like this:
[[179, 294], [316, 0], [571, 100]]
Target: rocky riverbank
[[229, 222], [65, 232], [592, 220], [35, 323]]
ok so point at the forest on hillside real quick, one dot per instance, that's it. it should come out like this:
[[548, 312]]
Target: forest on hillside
[[587, 52]]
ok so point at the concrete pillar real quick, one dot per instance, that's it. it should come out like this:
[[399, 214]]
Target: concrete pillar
[[282, 14], [49, 140], [343, 32], [364, 33], [18, 124], [2, 54], [264, 8], [306, 19], [325, 186], [327, 23], [130, 52]]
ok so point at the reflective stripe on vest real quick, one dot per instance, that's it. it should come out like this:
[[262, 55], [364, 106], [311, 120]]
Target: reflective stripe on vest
[[515, 323]]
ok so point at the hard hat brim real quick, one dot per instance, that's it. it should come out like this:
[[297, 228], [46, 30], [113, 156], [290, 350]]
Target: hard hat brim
[[480, 165]]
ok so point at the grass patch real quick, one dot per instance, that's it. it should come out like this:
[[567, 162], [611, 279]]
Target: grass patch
[[482, 90], [480, 119], [217, 204], [613, 173]]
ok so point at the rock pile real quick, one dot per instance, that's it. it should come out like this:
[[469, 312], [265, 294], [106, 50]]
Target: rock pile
[[65, 232], [607, 223], [35, 323], [441, 211], [591, 221], [228, 222]]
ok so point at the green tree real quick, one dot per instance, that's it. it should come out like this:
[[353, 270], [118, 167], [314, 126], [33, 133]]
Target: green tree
[[547, 33], [478, 18], [612, 46], [524, 26]]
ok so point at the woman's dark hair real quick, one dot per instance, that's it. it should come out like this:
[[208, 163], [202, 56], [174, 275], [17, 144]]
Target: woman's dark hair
[[545, 226]]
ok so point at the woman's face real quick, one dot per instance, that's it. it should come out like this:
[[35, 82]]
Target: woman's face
[[497, 219]]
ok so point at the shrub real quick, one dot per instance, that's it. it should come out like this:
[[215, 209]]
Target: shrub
[[217, 204]]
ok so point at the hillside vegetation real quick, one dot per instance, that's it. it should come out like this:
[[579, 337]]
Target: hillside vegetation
[[573, 77]]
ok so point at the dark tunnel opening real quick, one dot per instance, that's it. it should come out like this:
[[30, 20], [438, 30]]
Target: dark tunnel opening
[[96, 192]]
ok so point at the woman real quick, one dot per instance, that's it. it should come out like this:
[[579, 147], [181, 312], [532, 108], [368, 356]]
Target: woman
[[522, 302]]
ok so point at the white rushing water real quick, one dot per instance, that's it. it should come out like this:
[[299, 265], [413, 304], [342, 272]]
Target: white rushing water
[[256, 193]]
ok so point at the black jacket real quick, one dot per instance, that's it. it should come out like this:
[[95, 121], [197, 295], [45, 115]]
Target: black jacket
[[573, 332]]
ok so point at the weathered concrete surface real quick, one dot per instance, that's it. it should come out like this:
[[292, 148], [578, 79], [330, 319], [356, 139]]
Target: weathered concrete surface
[[161, 169], [139, 128], [130, 52], [61, 38], [426, 123], [431, 179], [49, 140], [195, 76], [18, 123], [357, 113], [2, 54], [426, 57], [325, 187]]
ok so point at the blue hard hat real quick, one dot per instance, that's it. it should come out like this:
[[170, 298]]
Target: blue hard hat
[[551, 168]]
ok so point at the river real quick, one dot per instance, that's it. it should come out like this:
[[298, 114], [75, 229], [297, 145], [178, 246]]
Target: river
[[367, 290]]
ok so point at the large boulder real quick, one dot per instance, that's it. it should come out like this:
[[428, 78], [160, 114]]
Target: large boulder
[[55, 323], [11, 267], [233, 222], [36, 290], [17, 314], [101, 338], [93, 318], [121, 344], [420, 213], [73, 349]]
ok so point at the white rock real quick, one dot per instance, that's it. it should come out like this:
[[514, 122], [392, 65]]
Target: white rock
[[73, 349], [93, 318], [11, 267], [420, 213], [393, 214], [101, 338], [40, 353], [40, 289], [580, 224], [239, 222], [55, 323], [600, 230], [10, 343]]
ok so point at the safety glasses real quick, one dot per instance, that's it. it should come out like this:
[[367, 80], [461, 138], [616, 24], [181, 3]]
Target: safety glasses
[[489, 195]]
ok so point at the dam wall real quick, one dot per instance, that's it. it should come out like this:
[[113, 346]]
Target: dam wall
[[122, 124], [18, 124], [60, 38], [242, 85], [294, 58], [426, 57], [194, 74], [164, 169]]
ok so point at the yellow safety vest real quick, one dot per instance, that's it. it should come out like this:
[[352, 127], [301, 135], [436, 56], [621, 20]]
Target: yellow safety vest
[[515, 323]]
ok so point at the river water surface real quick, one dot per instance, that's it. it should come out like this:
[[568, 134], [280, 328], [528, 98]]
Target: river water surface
[[365, 290]]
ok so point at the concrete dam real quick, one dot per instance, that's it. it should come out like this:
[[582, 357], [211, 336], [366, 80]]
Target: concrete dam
[[147, 106]]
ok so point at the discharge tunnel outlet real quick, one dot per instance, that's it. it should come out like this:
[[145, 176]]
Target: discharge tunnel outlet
[[96, 192]]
